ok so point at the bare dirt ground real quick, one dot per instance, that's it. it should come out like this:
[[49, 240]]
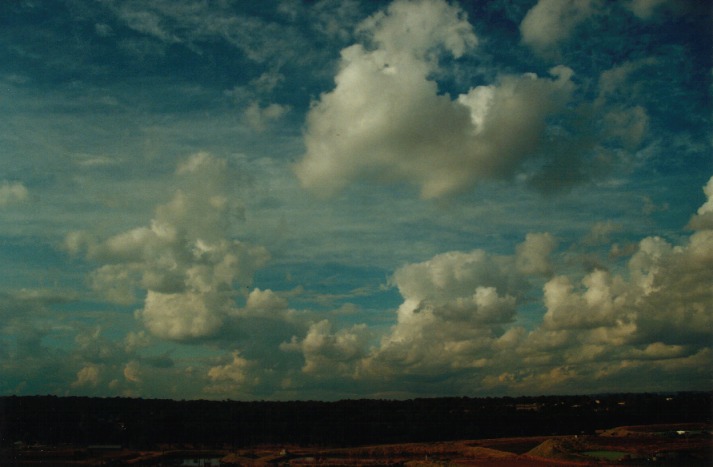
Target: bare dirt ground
[[689, 444]]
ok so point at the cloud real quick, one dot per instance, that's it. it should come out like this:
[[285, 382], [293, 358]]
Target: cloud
[[386, 121], [651, 9], [146, 22], [703, 219], [644, 9], [552, 21], [237, 376], [454, 313], [601, 232], [419, 29], [185, 260], [455, 306], [196, 25], [655, 316], [258, 116], [533, 256], [336, 18], [461, 318], [88, 376], [567, 309], [329, 353], [132, 372], [12, 193], [614, 82]]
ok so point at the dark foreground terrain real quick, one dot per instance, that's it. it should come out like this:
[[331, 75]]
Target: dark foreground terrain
[[673, 444], [656, 429]]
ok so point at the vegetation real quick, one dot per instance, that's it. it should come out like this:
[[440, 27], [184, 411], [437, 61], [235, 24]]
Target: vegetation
[[146, 424]]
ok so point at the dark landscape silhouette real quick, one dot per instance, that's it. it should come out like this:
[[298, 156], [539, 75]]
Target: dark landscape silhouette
[[158, 424]]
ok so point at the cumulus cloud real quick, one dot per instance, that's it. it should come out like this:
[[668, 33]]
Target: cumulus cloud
[[386, 121], [568, 309], [235, 371], [533, 256], [703, 219], [552, 21], [12, 193], [461, 320], [655, 316], [331, 353], [455, 306], [88, 376], [234, 377], [456, 311], [185, 260]]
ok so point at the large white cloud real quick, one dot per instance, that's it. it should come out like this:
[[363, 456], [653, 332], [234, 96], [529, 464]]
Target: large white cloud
[[186, 260], [386, 121], [455, 307]]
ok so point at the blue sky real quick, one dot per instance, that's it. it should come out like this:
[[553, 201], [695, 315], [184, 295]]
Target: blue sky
[[339, 199]]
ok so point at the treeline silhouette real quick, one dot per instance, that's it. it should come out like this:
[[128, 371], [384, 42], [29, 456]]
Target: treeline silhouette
[[148, 423]]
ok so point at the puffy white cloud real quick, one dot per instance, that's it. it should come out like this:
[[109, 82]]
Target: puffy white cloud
[[236, 371], [88, 376], [418, 28], [597, 306], [238, 375], [186, 260], [386, 121], [703, 219], [330, 353], [455, 310], [264, 301], [456, 274], [533, 256], [460, 310], [184, 315], [552, 21], [12, 193], [655, 316]]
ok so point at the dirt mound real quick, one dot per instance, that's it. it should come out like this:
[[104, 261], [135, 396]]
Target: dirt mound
[[565, 449], [487, 453], [649, 430]]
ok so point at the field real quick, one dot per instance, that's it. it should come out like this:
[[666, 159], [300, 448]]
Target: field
[[680, 444]]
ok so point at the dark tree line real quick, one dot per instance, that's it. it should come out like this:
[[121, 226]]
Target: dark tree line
[[146, 423]]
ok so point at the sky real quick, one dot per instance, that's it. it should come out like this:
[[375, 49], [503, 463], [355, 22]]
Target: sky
[[323, 200]]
